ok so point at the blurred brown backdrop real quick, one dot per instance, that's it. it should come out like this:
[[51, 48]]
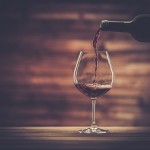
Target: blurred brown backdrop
[[39, 45]]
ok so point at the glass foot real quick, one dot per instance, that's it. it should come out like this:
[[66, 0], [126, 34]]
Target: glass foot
[[94, 130]]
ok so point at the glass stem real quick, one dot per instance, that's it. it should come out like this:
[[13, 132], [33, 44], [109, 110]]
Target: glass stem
[[93, 112]]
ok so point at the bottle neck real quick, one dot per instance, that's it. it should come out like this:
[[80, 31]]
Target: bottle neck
[[117, 26]]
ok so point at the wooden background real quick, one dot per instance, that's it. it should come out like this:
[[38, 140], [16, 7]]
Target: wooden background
[[39, 45]]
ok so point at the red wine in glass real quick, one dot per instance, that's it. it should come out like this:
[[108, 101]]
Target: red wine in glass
[[93, 90]]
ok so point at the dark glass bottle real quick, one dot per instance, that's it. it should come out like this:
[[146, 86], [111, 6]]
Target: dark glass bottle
[[139, 27]]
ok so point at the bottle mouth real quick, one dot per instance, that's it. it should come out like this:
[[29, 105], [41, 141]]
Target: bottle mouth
[[104, 24]]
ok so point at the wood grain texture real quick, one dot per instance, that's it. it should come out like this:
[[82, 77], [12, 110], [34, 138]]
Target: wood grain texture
[[68, 138]]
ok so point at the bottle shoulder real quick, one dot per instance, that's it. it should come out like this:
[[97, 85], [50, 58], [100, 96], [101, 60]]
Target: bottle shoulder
[[141, 19], [140, 28]]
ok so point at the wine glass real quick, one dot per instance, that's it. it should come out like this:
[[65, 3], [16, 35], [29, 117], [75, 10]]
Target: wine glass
[[93, 76]]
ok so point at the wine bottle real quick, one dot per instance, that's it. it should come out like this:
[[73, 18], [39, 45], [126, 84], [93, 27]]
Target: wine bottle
[[139, 27]]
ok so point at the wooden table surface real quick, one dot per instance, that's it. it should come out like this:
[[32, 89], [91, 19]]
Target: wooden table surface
[[67, 138]]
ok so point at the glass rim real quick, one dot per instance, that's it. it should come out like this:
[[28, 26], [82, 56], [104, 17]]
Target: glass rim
[[89, 51]]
